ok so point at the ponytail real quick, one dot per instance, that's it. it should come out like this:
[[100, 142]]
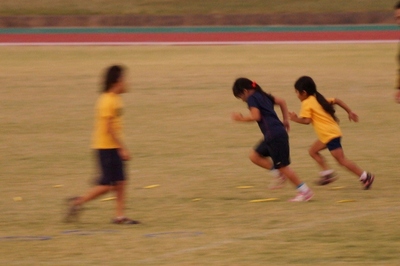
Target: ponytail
[[307, 84], [242, 84], [328, 107]]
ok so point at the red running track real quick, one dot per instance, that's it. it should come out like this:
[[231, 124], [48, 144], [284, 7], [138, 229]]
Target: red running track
[[198, 38]]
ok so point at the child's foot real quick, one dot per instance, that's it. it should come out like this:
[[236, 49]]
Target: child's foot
[[72, 210], [277, 182], [367, 182], [303, 196], [326, 179], [124, 220]]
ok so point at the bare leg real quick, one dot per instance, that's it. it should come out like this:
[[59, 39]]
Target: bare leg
[[338, 154], [261, 161], [305, 193], [314, 153], [92, 194], [291, 175], [120, 193]]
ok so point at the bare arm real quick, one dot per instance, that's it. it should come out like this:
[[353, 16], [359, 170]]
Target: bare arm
[[301, 120], [352, 116], [254, 115], [285, 113], [123, 152]]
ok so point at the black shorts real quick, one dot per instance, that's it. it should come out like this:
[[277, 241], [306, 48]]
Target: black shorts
[[277, 148], [111, 167], [334, 144]]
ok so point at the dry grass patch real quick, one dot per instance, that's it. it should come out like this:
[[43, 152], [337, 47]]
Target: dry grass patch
[[179, 130]]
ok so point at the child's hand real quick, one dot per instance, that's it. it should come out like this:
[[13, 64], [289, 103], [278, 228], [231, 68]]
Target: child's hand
[[353, 117], [286, 124], [124, 154], [293, 116], [237, 116]]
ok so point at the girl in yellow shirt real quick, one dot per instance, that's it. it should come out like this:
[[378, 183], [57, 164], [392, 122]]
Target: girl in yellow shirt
[[318, 111], [110, 150]]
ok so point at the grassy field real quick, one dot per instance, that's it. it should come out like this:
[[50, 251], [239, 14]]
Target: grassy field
[[180, 7], [179, 130]]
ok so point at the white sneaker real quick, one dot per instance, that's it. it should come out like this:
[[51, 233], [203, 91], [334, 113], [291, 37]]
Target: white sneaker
[[303, 196], [278, 181]]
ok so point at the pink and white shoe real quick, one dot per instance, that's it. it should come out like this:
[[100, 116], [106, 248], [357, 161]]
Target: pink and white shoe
[[278, 179], [303, 196], [277, 182]]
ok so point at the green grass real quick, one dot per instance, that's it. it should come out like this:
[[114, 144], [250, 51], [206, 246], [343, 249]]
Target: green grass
[[178, 127], [184, 7]]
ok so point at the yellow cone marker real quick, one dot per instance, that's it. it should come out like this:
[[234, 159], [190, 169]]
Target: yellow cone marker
[[152, 186], [244, 187], [336, 188], [197, 199], [345, 201], [107, 199], [264, 200], [17, 199]]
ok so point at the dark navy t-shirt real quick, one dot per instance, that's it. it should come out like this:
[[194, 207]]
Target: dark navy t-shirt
[[270, 124]]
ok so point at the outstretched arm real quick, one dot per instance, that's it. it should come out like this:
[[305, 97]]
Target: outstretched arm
[[301, 120], [285, 113], [254, 115], [352, 116]]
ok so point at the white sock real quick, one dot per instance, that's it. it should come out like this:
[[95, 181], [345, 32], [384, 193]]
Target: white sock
[[326, 172], [363, 176], [303, 188]]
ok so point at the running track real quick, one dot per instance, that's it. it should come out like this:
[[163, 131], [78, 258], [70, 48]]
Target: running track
[[198, 35]]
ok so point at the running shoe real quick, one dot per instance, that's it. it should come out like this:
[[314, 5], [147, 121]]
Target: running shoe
[[367, 182], [303, 196], [326, 179], [72, 210], [124, 220], [277, 182]]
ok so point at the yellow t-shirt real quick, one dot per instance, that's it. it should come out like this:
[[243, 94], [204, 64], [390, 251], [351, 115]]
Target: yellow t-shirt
[[324, 124], [109, 106]]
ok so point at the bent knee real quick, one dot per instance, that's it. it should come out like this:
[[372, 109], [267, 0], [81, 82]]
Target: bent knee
[[254, 156], [312, 152]]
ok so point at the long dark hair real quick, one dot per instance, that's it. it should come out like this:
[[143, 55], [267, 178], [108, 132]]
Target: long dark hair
[[112, 76], [242, 84], [307, 84]]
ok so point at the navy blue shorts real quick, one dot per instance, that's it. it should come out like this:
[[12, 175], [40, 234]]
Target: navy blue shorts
[[334, 144], [277, 148], [111, 167]]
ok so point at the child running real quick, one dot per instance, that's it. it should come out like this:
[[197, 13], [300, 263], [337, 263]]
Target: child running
[[318, 111], [275, 144], [108, 145]]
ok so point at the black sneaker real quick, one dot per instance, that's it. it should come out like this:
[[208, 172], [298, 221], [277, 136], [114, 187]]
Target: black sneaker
[[124, 220], [72, 210], [326, 179], [367, 182]]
